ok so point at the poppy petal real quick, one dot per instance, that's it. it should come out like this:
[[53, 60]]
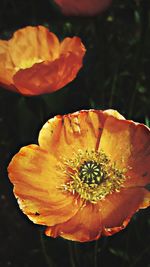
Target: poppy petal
[[33, 44], [114, 113], [139, 171], [48, 76], [73, 45], [129, 147], [70, 133], [83, 7], [6, 66], [116, 133], [84, 226], [146, 200], [117, 208], [34, 62], [37, 178]]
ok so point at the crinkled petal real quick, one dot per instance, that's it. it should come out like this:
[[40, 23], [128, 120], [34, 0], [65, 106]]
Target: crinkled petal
[[48, 77], [85, 226], [117, 208], [67, 134], [37, 177], [84, 7], [33, 44], [34, 62]]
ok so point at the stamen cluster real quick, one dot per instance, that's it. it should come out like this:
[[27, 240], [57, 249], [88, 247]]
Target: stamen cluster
[[92, 175]]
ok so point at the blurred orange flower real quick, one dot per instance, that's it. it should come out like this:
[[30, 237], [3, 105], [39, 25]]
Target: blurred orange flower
[[34, 62], [88, 176], [82, 7]]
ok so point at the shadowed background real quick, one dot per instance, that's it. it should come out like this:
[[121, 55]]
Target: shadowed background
[[115, 74]]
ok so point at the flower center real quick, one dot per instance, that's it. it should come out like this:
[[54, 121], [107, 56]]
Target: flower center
[[92, 175], [28, 63], [89, 172]]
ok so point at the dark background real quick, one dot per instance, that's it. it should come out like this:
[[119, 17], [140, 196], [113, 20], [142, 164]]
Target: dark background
[[115, 74]]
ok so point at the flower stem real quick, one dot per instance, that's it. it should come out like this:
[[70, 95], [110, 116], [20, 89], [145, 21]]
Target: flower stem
[[48, 260], [140, 256], [139, 54], [95, 254], [71, 254], [113, 89]]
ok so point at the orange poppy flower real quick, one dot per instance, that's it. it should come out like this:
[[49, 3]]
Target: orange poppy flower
[[34, 62], [89, 174], [82, 7]]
